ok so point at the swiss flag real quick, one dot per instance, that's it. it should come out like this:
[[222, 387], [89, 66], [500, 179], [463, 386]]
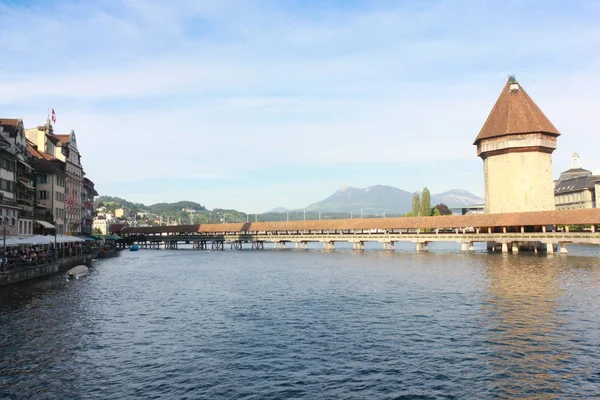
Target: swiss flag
[[53, 116]]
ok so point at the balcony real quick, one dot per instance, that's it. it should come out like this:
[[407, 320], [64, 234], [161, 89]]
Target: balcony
[[26, 214]]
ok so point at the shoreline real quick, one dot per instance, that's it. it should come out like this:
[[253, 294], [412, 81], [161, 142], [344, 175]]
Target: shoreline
[[38, 271]]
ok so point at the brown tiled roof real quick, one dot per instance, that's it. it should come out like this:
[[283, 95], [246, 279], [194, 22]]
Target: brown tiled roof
[[10, 125], [53, 139], [116, 228], [63, 138], [538, 218], [515, 113], [9, 121], [44, 162], [33, 150]]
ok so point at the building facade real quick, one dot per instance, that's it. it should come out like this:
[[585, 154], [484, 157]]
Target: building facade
[[89, 192], [101, 226], [576, 188], [516, 144], [17, 178], [51, 182], [74, 200], [74, 191]]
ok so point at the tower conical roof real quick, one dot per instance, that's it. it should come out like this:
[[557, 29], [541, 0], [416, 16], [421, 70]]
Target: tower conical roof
[[515, 113]]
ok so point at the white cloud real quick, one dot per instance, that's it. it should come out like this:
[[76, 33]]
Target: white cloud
[[213, 89]]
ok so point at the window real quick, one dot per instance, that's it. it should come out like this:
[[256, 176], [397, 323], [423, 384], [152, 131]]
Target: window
[[43, 195], [8, 164], [43, 178], [60, 196], [60, 181], [7, 186]]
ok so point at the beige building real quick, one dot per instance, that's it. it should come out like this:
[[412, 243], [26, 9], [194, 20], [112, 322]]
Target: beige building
[[51, 182], [516, 144], [101, 224], [64, 148], [120, 212], [576, 188]]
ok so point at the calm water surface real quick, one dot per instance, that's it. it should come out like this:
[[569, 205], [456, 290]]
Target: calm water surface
[[307, 324]]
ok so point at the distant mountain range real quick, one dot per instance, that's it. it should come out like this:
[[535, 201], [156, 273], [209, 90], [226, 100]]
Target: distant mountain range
[[389, 199]]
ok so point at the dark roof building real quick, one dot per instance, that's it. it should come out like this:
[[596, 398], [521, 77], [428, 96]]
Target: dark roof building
[[576, 188]]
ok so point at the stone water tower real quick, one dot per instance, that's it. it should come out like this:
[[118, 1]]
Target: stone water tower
[[516, 144]]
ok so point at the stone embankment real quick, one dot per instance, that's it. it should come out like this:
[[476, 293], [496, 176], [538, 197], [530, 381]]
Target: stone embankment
[[24, 273]]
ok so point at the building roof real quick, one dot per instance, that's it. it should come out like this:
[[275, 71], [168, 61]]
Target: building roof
[[537, 218], [576, 184], [63, 138], [117, 228], [10, 125], [45, 162], [515, 113], [9, 121]]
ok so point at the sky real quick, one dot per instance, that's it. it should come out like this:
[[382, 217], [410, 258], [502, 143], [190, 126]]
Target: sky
[[260, 104]]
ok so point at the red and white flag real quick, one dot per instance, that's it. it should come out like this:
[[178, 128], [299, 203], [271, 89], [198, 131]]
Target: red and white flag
[[53, 116]]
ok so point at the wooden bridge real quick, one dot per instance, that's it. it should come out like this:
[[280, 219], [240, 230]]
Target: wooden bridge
[[536, 231]]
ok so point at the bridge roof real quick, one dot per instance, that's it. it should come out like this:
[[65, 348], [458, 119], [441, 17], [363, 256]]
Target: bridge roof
[[539, 218]]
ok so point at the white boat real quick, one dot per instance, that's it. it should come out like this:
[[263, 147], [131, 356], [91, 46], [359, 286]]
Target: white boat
[[77, 271]]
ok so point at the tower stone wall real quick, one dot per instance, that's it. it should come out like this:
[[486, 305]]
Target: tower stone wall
[[518, 182]]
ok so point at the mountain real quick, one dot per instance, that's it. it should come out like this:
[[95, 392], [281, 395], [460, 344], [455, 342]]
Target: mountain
[[381, 198], [279, 210], [158, 208], [372, 200], [456, 198]]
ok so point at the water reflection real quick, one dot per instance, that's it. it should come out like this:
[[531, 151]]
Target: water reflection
[[529, 342]]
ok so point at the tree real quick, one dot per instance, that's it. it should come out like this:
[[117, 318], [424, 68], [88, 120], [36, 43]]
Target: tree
[[416, 205], [97, 231], [425, 203], [443, 209]]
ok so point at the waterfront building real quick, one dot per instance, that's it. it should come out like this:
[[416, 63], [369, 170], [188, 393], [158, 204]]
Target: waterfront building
[[64, 148], [468, 210], [74, 188], [577, 188], [89, 192], [516, 144], [101, 225], [51, 182], [17, 189]]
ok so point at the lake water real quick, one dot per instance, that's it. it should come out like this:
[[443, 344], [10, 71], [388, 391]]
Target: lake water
[[183, 324]]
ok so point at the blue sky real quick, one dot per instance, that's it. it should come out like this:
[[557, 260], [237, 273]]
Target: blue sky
[[258, 104]]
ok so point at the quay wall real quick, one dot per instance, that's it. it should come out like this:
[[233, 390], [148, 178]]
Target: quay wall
[[37, 271]]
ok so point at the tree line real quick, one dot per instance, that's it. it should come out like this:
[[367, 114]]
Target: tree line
[[421, 206]]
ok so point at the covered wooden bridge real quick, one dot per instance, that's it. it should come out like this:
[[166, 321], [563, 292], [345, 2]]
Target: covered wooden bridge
[[544, 230]]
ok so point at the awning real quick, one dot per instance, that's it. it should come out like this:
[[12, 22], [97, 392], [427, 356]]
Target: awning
[[45, 224], [25, 182], [24, 163]]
